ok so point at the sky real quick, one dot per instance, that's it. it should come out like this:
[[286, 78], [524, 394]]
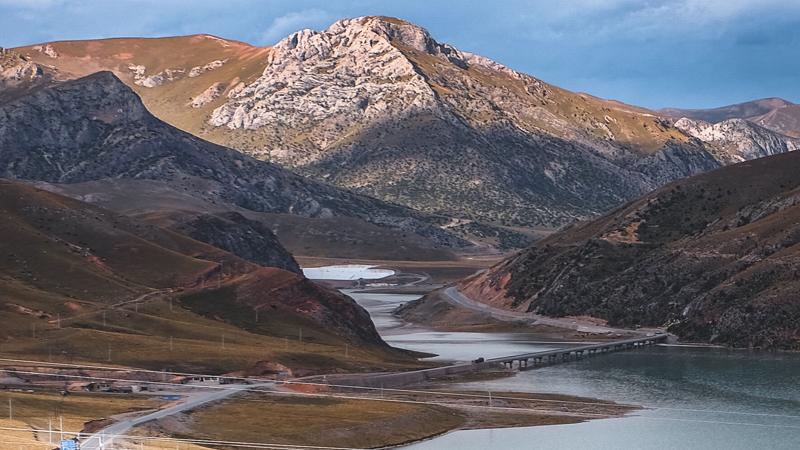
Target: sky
[[652, 53]]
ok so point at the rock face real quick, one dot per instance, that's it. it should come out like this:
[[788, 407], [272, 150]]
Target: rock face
[[739, 139], [714, 258], [96, 128]]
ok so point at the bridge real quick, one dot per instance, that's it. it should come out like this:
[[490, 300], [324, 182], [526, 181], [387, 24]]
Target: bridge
[[529, 360], [520, 362]]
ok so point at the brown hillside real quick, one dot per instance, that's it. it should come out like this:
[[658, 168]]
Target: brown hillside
[[714, 258]]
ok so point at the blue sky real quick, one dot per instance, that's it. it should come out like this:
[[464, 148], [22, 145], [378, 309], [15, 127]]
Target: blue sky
[[654, 53]]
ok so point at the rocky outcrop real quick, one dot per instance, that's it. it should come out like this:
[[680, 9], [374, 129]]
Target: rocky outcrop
[[209, 95], [713, 258], [196, 71], [19, 75]]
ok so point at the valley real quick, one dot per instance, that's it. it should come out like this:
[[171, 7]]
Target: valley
[[363, 236]]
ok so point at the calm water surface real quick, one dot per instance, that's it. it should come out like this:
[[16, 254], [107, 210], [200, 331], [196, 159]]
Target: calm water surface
[[696, 398]]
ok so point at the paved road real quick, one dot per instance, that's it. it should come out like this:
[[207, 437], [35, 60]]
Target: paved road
[[103, 439], [454, 296]]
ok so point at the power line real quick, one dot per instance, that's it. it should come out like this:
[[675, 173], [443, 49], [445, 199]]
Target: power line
[[338, 396], [300, 383]]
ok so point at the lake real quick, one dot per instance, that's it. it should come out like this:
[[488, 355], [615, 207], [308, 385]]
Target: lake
[[696, 398]]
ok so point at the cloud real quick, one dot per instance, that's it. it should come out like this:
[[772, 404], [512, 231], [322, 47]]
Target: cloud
[[289, 23]]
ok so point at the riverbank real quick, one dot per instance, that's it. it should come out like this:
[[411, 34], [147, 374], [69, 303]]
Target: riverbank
[[366, 421]]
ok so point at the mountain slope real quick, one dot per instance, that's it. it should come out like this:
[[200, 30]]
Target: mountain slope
[[96, 128], [376, 105], [68, 268], [714, 258], [775, 114]]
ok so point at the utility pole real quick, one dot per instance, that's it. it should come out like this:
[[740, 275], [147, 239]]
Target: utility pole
[[170, 343], [10, 411], [61, 427], [104, 319], [109, 352], [223, 341], [347, 350]]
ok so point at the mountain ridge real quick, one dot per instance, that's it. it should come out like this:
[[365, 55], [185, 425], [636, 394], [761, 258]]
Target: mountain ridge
[[376, 105]]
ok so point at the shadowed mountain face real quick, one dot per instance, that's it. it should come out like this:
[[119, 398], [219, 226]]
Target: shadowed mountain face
[[96, 128], [775, 114], [377, 106], [715, 258], [231, 231]]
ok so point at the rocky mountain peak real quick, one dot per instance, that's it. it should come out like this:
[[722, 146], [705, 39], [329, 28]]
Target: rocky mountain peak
[[346, 76], [368, 31]]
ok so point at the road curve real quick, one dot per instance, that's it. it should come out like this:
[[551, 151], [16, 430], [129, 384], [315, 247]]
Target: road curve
[[455, 297], [103, 439]]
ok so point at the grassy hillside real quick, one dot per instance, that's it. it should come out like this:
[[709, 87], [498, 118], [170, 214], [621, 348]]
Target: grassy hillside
[[81, 283]]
